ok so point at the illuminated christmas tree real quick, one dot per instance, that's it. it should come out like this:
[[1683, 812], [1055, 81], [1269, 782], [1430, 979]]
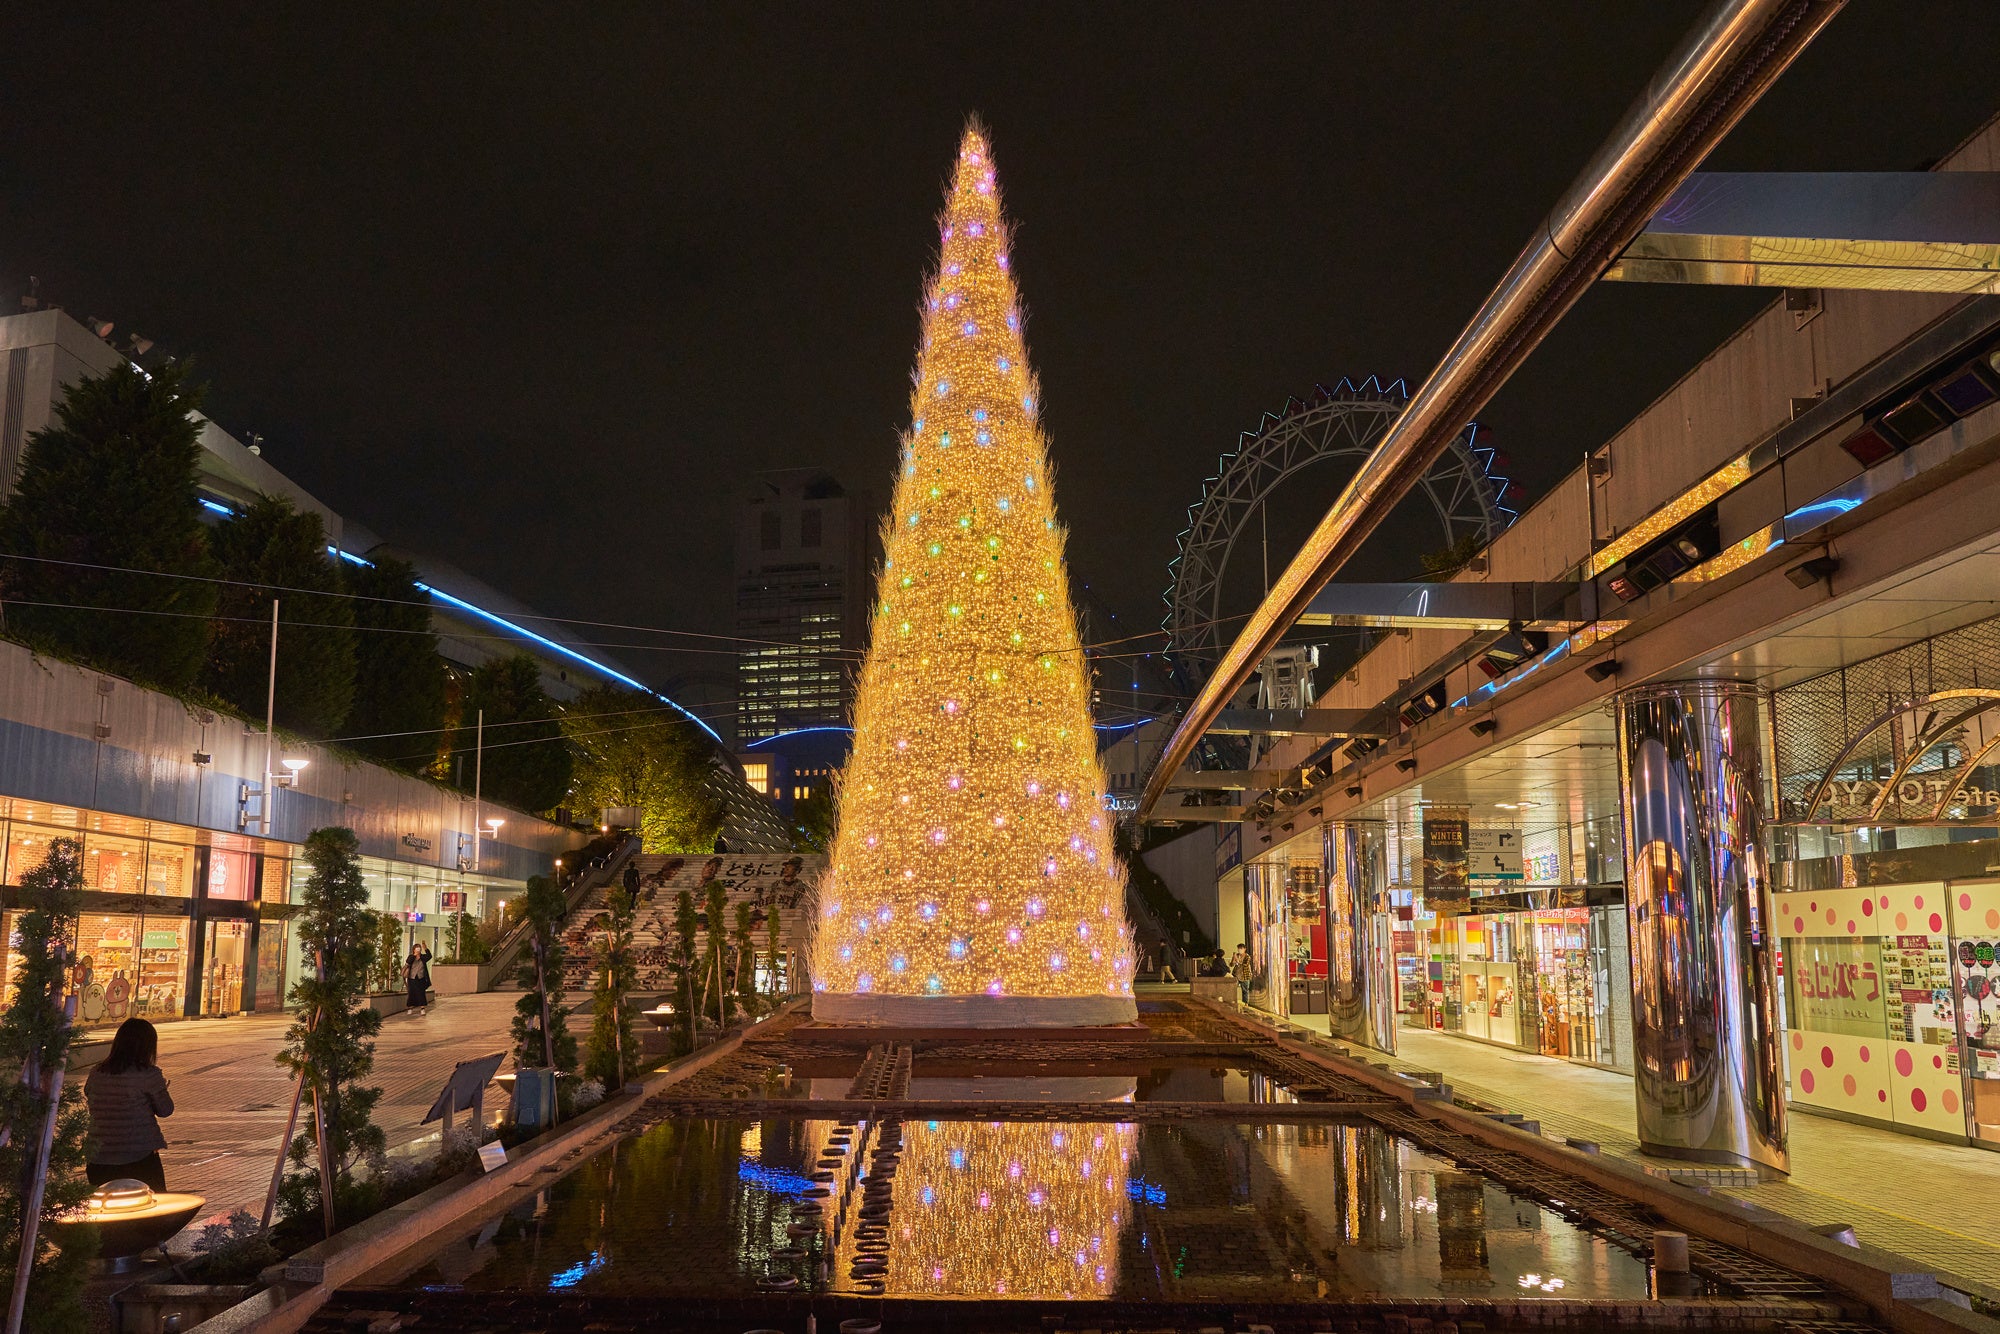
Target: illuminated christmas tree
[[973, 882]]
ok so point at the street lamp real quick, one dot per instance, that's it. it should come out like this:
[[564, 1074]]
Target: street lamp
[[492, 830], [294, 766]]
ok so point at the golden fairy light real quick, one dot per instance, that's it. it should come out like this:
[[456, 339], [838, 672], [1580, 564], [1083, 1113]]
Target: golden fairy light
[[1013, 1209], [973, 880]]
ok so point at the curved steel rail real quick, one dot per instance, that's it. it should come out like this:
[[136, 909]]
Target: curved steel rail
[[1713, 78]]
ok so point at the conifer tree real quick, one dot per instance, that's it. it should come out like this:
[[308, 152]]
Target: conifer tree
[[35, 1032], [399, 679], [540, 1028], [105, 491], [272, 550], [774, 939], [687, 924], [717, 934], [612, 1056], [973, 878], [331, 1042]]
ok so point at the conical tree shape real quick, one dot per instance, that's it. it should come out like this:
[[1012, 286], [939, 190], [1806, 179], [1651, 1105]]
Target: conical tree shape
[[973, 882]]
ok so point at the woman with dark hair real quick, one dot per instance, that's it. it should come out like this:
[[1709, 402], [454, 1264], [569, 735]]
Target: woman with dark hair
[[417, 972], [127, 1095]]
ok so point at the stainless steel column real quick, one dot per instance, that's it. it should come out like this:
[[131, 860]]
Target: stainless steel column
[[1704, 989], [1360, 949]]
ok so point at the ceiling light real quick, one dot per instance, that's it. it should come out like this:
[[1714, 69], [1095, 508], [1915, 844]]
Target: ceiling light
[[1407, 763], [1807, 573], [1485, 727], [1602, 670]]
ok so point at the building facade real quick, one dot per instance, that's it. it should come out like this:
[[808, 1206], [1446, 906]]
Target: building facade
[[803, 566]]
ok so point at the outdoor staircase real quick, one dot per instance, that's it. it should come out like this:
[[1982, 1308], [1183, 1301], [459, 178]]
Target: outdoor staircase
[[599, 870]]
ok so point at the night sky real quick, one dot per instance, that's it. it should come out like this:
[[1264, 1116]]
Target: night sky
[[537, 289]]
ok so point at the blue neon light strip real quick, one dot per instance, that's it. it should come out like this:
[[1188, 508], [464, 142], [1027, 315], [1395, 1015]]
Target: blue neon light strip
[[206, 503], [796, 731], [566, 651]]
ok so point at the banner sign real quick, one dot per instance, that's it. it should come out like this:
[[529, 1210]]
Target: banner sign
[[1446, 892]]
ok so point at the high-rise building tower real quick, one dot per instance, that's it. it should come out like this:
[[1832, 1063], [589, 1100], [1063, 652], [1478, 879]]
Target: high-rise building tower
[[802, 563], [973, 880]]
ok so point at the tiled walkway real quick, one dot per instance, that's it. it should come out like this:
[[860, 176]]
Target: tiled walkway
[[231, 1099], [1912, 1196]]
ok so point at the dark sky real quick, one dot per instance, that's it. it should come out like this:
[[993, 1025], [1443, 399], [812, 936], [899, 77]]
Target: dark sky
[[537, 288]]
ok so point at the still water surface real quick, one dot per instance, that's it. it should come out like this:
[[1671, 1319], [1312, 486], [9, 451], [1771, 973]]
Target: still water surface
[[1186, 1211]]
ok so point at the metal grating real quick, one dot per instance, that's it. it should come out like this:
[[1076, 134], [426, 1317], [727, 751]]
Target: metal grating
[[1814, 720]]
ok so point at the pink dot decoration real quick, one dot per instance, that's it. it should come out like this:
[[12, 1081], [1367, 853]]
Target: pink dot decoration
[[1806, 1080], [1965, 902], [1826, 1057], [1867, 907], [1881, 1095], [1918, 1100], [1919, 901], [1903, 1065], [1885, 900], [1847, 1085], [1850, 928], [1829, 916], [1864, 1055], [1902, 920], [1950, 1100], [1813, 906], [1937, 922], [1992, 917], [1798, 926], [1798, 1041], [1937, 1062]]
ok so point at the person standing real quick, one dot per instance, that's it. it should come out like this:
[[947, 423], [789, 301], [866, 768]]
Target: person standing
[[127, 1094], [1239, 968], [417, 972]]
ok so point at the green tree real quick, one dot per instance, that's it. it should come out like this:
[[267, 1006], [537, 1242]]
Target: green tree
[[713, 909], [110, 488], [527, 762], [540, 1031], [687, 924], [467, 942], [812, 822], [612, 1056], [387, 972], [746, 949], [632, 750], [331, 1042], [773, 942], [273, 550], [34, 1042], [399, 681]]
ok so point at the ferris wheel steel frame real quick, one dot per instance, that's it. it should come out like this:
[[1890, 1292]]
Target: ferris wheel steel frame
[[1345, 421]]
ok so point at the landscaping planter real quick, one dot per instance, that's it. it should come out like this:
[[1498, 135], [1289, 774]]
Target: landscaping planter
[[386, 1003], [461, 979], [1216, 989], [152, 1308]]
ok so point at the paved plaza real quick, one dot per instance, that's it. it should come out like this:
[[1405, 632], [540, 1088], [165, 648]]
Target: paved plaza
[[231, 1099], [1890, 1187]]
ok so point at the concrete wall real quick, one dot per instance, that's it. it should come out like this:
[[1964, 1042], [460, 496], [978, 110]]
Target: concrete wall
[[75, 737], [1187, 865]]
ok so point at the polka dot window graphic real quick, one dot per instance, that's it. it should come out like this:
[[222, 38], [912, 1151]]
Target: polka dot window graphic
[[1874, 979]]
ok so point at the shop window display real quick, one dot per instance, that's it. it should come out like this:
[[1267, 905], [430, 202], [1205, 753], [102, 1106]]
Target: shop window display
[[27, 848], [230, 874], [114, 865], [226, 951], [170, 870], [1868, 996]]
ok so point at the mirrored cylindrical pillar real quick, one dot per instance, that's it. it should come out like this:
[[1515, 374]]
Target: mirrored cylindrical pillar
[[1704, 986], [1360, 950]]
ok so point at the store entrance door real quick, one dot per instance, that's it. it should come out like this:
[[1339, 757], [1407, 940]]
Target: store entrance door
[[223, 961]]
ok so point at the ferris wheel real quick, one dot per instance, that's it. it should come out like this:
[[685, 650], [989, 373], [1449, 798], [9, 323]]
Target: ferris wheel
[[1463, 491]]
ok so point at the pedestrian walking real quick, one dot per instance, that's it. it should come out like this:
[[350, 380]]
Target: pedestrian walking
[[1165, 959], [127, 1094], [1239, 968], [417, 972], [632, 880]]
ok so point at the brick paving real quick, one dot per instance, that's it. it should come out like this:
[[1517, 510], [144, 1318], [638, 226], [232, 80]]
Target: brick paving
[[1889, 1187], [231, 1099]]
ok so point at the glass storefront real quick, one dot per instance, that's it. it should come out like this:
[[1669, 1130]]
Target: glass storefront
[[1552, 980]]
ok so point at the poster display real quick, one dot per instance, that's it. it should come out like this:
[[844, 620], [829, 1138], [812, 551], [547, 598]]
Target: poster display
[[1447, 892]]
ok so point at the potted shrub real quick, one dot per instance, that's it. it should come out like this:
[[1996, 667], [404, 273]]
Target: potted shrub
[[465, 970], [387, 992]]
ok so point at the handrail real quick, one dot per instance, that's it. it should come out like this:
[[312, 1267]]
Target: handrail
[[585, 879], [1713, 78]]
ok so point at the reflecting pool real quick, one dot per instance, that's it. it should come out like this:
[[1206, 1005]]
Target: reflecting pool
[[1192, 1210]]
